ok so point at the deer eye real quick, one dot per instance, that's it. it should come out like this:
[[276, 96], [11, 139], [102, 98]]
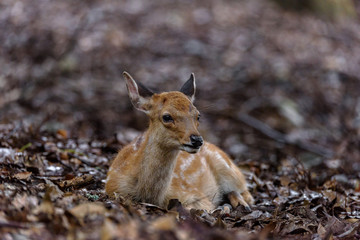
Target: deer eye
[[198, 117], [167, 118]]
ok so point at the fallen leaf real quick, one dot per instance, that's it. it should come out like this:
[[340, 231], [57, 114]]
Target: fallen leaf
[[164, 223], [6, 153], [89, 208], [263, 235], [329, 194], [335, 225], [127, 230], [350, 232], [219, 223], [62, 133], [64, 155], [295, 227], [321, 231], [253, 215], [77, 181], [46, 209], [285, 180], [54, 190], [108, 230], [23, 175], [202, 215], [24, 201]]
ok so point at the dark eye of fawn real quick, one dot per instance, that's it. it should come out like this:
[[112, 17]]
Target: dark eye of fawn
[[167, 118], [198, 117]]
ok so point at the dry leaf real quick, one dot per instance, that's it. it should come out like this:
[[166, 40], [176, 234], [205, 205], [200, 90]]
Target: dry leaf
[[54, 190], [77, 181], [46, 208], [164, 223], [23, 175], [127, 230], [253, 215], [321, 231], [62, 133], [85, 209]]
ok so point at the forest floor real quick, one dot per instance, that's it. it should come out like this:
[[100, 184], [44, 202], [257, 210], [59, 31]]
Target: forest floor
[[277, 90]]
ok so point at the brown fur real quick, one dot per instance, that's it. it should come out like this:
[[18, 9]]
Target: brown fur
[[153, 169]]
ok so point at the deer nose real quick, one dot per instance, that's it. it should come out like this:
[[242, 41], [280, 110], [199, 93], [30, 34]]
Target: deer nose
[[196, 140]]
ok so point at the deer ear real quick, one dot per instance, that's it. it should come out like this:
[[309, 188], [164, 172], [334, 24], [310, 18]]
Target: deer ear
[[138, 93], [189, 88]]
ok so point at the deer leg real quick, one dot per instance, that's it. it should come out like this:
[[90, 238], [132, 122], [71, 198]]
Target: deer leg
[[236, 199], [248, 197], [223, 209]]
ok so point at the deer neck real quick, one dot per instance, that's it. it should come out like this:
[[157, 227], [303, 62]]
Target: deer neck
[[156, 169]]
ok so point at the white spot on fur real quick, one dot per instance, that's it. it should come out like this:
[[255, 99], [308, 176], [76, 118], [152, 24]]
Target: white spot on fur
[[134, 146], [203, 161], [186, 163], [193, 178], [218, 156]]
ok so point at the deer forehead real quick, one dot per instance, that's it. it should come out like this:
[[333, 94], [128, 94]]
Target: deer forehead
[[174, 102]]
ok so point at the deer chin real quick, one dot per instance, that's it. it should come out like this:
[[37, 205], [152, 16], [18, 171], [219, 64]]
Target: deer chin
[[189, 148]]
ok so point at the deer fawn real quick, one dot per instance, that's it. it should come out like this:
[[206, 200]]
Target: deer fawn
[[171, 160]]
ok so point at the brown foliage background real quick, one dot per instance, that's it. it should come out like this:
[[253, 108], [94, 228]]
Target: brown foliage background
[[278, 90]]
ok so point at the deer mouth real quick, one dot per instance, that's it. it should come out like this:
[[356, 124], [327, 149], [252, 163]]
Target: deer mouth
[[190, 148]]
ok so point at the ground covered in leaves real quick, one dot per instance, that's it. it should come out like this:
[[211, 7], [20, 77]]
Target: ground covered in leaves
[[278, 90], [54, 186]]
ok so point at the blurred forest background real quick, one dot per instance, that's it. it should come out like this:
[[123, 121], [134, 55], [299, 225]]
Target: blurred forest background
[[277, 85]]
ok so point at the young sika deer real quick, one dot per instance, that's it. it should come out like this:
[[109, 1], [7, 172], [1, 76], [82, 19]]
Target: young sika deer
[[171, 160]]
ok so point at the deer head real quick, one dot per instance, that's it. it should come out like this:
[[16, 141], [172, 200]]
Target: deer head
[[174, 120]]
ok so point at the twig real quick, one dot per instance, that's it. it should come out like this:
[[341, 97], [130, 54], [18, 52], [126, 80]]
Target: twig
[[81, 160], [12, 225], [279, 137], [262, 127]]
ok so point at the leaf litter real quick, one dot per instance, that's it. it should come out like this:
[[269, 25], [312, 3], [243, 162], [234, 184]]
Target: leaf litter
[[69, 201], [289, 114]]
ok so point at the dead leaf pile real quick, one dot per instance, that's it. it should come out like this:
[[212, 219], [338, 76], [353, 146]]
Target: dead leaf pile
[[278, 90], [45, 195]]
